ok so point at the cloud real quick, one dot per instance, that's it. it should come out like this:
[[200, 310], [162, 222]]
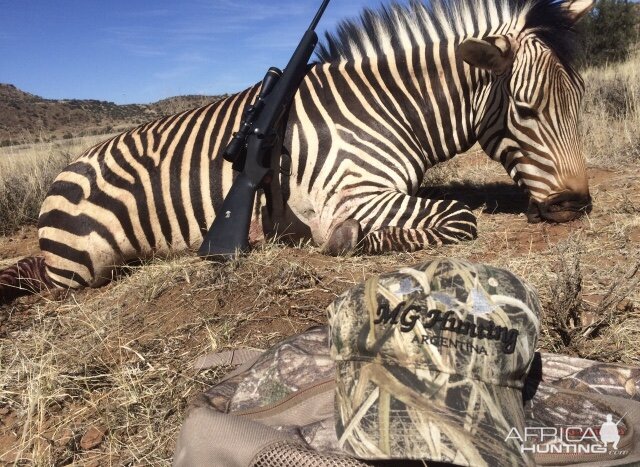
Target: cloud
[[191, 57], [248, 11], [215, 27]]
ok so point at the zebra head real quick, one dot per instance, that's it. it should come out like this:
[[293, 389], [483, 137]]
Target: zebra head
[[527, 107]]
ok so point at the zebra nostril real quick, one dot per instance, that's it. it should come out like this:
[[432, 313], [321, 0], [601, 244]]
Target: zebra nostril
[[569, 202], [565, 206], [562, 207], [534, 215]]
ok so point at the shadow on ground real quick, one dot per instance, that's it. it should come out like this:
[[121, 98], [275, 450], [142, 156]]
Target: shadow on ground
[[496, 197]]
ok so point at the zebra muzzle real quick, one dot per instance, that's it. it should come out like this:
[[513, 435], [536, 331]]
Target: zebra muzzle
[[559, 208]]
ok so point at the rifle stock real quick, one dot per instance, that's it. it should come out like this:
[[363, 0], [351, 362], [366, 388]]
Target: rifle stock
[[229, 232]]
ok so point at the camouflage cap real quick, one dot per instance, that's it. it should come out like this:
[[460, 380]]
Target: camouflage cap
[[431, 361]]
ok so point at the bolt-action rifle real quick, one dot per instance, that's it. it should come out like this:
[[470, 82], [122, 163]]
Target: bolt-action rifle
[[251, 147]]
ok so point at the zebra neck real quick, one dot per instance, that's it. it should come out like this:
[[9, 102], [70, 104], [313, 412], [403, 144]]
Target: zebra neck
[[488, 111], [428, 93]]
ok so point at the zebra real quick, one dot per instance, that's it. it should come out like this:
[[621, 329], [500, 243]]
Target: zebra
[[393, 92]]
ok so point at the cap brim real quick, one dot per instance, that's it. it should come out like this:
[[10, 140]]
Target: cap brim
[[450, 419]]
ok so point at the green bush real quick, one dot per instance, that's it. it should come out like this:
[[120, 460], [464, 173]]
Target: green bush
[[608, 33]]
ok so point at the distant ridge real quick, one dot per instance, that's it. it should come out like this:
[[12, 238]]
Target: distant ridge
[[27, 118]]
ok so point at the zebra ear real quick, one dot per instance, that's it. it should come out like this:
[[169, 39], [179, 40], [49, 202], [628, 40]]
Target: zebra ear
[[493, 53], [576, 9]]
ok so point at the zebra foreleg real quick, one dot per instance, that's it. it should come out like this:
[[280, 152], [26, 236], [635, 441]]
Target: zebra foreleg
[[26, 277], [344, 239], [421, 223]]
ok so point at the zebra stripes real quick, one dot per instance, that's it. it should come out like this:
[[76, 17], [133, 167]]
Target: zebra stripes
[[396, 92], [27, 276], [150, 190]]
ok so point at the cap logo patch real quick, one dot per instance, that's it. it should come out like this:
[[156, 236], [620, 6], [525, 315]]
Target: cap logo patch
[[407, 316]]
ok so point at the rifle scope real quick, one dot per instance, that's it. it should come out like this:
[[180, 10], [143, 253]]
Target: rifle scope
[[239, 141]]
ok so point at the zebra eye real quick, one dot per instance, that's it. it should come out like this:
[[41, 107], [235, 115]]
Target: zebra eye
[[526, 112]]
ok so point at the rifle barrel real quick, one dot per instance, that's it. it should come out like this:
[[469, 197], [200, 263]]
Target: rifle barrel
[[316, 20], [229, 233]]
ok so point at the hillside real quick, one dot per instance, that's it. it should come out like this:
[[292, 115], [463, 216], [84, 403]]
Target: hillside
[[26, 118]]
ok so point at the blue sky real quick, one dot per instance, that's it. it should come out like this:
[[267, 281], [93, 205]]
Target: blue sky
[[139, 51]]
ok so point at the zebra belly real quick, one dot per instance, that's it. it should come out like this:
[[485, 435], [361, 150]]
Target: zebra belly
[[281, 216], [83, 242]]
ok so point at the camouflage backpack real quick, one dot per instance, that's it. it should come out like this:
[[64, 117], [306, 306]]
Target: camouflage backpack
[[300, 402]]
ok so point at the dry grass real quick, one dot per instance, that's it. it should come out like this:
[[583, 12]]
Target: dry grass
[[119, 359], [603, 329], [82, 367], [114, 364], [611, 119], [26, 173]]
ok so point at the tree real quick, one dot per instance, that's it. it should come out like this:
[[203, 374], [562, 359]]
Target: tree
[[608, 33]]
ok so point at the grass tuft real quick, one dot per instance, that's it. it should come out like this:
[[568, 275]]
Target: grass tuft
[[611, 117], [601, 328], [26, 173]]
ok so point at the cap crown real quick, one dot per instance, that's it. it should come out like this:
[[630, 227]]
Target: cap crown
[[446, 316]]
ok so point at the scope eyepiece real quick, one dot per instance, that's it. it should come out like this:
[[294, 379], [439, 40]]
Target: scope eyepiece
[[234, 147], [269, 81]]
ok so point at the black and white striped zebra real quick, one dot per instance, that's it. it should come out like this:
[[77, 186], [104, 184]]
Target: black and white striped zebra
[[394, 93]]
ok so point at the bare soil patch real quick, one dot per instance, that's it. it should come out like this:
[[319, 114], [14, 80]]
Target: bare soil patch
[[22, 243]]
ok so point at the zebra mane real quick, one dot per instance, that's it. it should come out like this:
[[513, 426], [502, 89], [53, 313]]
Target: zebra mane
[[402, 27]]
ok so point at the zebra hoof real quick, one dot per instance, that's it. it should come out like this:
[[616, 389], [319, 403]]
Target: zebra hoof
[[344, 239]]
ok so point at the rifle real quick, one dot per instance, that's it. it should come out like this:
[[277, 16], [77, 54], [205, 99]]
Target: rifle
[[251, 147]]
